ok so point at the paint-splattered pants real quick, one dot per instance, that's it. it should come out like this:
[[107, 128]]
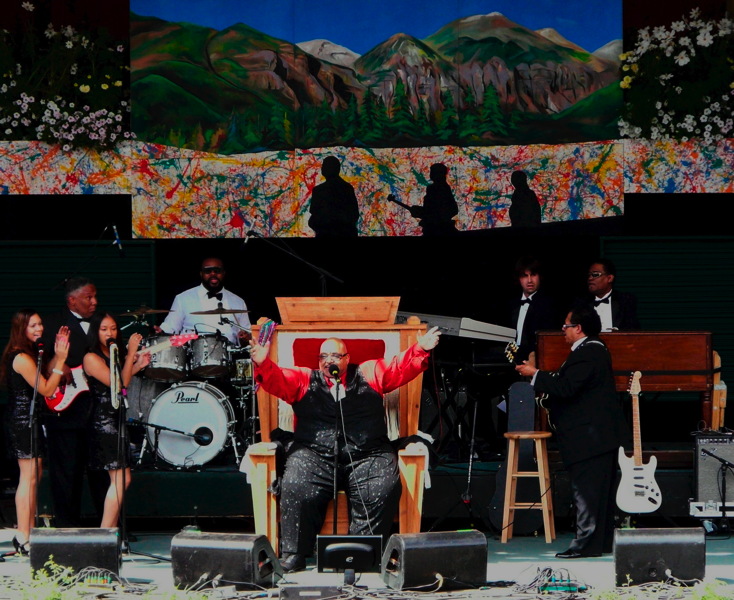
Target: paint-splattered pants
[[370, 479]]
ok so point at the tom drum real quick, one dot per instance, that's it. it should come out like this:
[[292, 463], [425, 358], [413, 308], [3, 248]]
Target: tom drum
[[210, 356], [169, 364]]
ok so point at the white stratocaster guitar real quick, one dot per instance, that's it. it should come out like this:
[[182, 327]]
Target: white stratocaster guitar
[[637, 492], [65, 394]]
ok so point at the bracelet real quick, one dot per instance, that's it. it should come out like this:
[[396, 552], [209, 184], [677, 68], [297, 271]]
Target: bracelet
[[57, 371]]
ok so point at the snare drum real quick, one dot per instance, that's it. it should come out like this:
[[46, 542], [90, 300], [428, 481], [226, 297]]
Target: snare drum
[[168, 365], [193, 407], [210, 356]]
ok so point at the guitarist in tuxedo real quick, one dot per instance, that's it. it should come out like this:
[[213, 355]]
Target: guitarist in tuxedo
[[67, 432], [533, 310], [589, 427]]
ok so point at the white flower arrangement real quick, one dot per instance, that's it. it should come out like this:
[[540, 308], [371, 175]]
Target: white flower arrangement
[[679, 82], [62, 87]]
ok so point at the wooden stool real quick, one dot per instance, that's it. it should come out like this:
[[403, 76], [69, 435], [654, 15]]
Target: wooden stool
[[542, 475]]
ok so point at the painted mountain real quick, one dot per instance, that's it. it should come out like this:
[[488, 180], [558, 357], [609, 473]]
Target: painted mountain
[[480, 80]]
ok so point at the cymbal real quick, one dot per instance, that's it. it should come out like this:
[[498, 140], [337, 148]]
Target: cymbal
[[143, 310], [219, 311]]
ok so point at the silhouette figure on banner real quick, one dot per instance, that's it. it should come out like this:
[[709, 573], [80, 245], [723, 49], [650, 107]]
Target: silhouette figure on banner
[[525, 207], [334, 208], [436, 216]]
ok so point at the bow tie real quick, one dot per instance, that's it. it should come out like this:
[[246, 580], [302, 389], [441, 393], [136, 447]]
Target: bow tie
[[525, 301], [82, 320], [217, 295], [603, 301]]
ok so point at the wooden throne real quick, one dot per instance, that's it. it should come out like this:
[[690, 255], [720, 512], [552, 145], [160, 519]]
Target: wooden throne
[[367, 326]]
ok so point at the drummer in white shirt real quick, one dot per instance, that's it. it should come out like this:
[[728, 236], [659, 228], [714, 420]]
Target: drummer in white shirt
[[209, 296]]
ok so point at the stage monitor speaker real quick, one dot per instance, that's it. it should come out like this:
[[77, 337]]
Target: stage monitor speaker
[[77, 548], [238, 559], [708, 469], [647, 555], [456, 559]]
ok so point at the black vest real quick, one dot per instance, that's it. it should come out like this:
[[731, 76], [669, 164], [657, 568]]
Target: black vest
[[363, 409]]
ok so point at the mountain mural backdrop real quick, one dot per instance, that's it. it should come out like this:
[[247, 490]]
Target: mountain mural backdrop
[[482, 80]]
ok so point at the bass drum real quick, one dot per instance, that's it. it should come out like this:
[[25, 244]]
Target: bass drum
[[202, 418]]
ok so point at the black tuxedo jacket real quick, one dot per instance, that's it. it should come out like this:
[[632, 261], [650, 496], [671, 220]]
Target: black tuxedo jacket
[[77, 415], [624, 310], [541, 315], [583, 403]]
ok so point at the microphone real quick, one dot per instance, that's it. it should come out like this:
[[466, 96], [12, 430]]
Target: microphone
[[39, 347], [112, 343], [117, 241], [334, 371]]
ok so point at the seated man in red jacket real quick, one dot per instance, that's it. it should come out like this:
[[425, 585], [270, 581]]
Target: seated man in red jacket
[[339, 411]]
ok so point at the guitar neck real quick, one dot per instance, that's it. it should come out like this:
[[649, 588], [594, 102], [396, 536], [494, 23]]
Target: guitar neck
[[636, 437]]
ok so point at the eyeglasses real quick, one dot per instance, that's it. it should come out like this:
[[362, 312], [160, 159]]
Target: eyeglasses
[[217, 270], [567, 325], [334, 355], [595, 274]]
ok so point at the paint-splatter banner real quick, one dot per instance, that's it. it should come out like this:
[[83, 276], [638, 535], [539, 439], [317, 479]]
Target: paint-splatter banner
[[182, 194], [689, 167], [179, 194]]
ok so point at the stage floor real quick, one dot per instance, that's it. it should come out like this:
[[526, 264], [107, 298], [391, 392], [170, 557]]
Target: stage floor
[[147, 570]]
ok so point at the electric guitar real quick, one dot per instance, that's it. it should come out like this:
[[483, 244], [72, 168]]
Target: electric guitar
[[415, 211], [637, 492], [65, 394], [170, 342]]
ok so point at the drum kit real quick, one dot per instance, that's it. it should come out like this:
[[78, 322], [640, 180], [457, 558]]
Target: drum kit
[[194, 399]]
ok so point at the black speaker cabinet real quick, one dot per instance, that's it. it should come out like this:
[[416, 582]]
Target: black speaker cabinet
[[77, 548], [419, 559], [646, 555], [237, 559], [708, 469]]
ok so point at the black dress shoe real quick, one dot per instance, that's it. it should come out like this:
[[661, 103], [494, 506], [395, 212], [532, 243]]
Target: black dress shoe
[[575, 554], [293, 562]]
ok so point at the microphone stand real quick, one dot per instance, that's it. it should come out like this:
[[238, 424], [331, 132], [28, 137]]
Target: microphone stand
[[337, 383], [120, 393], [725, 464], [323, 273], [33, 424]]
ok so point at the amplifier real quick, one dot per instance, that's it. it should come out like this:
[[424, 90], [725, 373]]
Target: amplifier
[[708, 468]]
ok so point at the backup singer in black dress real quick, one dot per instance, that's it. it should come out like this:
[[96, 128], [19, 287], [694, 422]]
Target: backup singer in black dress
[[18, 373], [109, 445]]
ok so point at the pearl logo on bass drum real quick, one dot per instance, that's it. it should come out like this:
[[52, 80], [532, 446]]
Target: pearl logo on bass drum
[[182, 398]]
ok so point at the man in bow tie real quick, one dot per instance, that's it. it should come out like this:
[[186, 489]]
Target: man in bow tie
[[67, 432], [532, 311], [210, 295], [617, 310], [588, 426]]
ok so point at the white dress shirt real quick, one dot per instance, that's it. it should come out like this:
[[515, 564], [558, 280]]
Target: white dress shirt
[[180, 319]]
